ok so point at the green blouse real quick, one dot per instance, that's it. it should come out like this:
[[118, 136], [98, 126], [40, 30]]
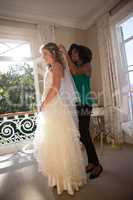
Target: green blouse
[[83, 85]]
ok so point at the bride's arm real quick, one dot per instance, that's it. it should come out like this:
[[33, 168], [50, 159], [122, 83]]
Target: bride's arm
[[54, 89]]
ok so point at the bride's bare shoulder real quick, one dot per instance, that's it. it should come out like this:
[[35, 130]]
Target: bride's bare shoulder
[[58, 65], [58, 68]]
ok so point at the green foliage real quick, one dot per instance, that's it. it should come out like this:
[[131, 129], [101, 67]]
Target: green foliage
[[17, 90]]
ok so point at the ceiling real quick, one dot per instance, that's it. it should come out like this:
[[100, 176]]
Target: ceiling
[[73, 13]]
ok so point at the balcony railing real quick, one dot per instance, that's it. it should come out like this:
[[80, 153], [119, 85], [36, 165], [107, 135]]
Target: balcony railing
[[17, 127]]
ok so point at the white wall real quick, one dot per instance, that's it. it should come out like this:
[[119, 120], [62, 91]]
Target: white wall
[[67, 36]]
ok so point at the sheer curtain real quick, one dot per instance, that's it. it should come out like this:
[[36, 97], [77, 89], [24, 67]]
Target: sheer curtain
[[44, 33], [110, 82]]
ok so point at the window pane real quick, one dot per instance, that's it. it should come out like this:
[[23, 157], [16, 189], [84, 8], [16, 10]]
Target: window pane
[[129, 52], [3, 48], [131, 77], [130, 68], [131, 105], [6, 65], [131, 81], [13, 48], [127, 27], [17, 91]]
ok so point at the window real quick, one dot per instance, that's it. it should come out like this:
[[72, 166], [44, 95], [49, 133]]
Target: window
[[17, 91], [127, 47]]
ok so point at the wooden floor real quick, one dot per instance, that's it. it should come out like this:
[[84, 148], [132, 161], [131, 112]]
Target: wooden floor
[[20, 179]]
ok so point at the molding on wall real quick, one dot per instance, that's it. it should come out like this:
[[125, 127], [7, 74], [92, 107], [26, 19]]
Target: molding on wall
[[84, 23]]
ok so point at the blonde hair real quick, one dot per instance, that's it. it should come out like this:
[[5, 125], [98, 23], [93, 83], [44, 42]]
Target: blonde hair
[[54, 50]]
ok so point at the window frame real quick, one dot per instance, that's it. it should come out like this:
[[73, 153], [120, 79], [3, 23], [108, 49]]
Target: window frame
[[127, 70]]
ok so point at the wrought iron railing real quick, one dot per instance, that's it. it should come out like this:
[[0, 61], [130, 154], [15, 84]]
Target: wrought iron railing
[[17, 127]]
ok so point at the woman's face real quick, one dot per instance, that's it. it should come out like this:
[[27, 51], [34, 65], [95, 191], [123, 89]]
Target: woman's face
[[75, 55], [48, 57]]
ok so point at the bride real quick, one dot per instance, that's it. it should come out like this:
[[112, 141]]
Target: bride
[[56, 142]]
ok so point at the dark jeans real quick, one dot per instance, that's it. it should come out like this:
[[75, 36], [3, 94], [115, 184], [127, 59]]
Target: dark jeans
[[84, 112]]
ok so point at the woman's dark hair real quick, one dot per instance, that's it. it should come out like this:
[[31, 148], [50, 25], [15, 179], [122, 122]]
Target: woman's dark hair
[[85, 54], [54, 50], [73, 46]]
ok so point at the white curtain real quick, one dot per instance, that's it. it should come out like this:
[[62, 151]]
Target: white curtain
[[44, 33], [110, 83]]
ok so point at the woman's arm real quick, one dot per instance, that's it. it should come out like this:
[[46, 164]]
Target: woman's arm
[[84, 69], [57, 75]]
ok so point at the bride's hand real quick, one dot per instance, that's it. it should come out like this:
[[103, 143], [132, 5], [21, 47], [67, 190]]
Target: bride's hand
[[62, 49], [42, 106]]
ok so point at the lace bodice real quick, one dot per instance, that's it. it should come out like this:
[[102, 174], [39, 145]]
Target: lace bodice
[[47, 83]]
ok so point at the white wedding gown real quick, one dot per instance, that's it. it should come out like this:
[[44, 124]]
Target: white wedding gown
[[57, 145]]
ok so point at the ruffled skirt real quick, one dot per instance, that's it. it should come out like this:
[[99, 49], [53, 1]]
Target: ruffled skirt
[[58, 150]]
